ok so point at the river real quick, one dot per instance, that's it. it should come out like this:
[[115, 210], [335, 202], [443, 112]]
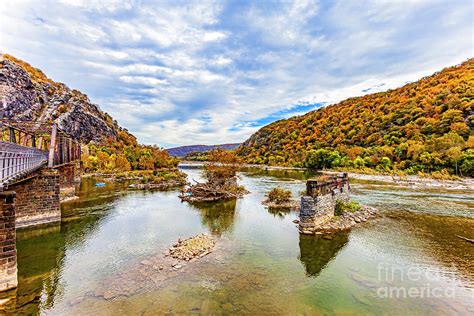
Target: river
[[407, 261]]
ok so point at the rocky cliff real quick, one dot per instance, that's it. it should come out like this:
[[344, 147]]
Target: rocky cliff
[[27, 94]]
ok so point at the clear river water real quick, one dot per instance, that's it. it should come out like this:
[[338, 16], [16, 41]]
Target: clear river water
[[407, 261]]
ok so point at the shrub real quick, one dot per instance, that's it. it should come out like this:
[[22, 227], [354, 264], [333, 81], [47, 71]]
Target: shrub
[[467, 163], [279, 195], [342, 207], [359, 162], [385, 162]]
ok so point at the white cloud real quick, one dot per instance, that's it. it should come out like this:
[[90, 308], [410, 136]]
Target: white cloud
[[221, 61], [213, 36], [143, 80], [205, 72]]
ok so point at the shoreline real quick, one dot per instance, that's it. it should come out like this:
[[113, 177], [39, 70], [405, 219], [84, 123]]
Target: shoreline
[[409, 181], [412, 181]]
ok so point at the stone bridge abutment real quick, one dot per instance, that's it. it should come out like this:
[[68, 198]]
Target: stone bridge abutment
[[32, 201], [39, 165]]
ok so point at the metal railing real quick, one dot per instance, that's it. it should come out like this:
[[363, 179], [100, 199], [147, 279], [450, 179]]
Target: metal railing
[[27, 146], [18, 161]]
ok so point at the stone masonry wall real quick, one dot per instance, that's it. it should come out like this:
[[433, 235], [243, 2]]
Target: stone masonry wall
[[317, 210], [8, 267], [69, 176], [66, 175], [37, 199]]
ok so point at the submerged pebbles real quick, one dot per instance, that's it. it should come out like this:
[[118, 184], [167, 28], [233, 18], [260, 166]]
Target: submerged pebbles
[[157, 270]]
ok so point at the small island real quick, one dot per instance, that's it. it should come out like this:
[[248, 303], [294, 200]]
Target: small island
[[280, 198], [221, 180]]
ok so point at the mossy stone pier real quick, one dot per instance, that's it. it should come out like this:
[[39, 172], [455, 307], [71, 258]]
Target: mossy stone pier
[[319, 203]]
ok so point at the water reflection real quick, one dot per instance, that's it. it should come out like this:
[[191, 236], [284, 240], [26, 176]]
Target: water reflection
[[438, 239], [41, 250], [316, 252], [92, 198], [281, 174], [109, 231], [39, 253], [279, 212], [218, 216]]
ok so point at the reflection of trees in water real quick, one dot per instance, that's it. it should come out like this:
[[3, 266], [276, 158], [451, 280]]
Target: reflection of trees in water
[[316, 252], [218, 216], [279, 212], [279, 173], [41, 254], [92, 198]]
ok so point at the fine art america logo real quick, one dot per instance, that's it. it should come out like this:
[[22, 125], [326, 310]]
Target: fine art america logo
[[426, 282]]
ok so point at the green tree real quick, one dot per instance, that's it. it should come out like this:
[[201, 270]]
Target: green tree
[[467, 163], [359, 162], [385, 162], [322, 158]]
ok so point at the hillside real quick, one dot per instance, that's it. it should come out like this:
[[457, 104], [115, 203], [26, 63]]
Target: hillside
[[423, 126], [28, 94], [182, 151]]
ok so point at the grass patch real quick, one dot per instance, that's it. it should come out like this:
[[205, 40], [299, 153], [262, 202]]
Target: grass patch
[[342, 207]]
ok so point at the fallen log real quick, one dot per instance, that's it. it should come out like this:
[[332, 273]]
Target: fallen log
[[466, 239]]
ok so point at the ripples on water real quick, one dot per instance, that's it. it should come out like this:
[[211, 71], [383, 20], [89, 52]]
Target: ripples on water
[[264, 265]]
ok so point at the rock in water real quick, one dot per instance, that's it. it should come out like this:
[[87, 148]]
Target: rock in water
[[194, 247]]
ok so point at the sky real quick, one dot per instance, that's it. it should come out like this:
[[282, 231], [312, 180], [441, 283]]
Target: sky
[[210, 72]]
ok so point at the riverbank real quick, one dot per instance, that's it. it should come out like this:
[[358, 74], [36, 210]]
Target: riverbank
[[409, 181], [412, 182], [145, 179]]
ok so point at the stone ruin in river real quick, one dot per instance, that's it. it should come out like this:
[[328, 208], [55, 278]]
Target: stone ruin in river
[[318, 206]]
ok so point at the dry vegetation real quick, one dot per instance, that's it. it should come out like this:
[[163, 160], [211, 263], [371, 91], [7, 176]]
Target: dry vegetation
[[221, 179], [280, 198]]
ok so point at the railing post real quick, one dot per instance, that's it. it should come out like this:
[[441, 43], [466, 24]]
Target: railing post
[[12, 134], [70, 158], [40, 143], [52, 146]]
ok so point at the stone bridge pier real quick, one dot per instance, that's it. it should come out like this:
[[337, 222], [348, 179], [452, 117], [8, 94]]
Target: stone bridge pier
[[69, 178], [32, 201], [319, 203], [8, 269]]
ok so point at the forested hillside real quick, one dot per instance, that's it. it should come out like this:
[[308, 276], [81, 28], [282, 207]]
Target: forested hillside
[[424, 126]]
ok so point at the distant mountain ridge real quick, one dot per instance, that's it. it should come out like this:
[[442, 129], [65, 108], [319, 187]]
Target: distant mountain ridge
[[182, 151]]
